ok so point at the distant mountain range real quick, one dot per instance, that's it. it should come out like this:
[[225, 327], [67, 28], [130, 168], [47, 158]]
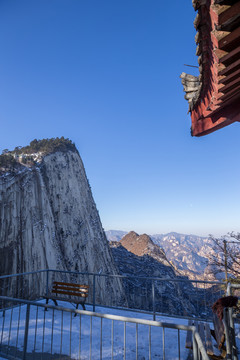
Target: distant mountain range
[[115, 235], [188, 254]]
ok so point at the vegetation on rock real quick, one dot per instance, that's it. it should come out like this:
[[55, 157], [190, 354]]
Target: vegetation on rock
[[11, 160], [7, 161], [226, 256], [45, 146]]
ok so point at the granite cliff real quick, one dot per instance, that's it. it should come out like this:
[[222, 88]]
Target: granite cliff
[[48, 217]]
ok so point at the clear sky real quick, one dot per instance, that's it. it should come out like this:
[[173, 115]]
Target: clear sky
[[105, 73]]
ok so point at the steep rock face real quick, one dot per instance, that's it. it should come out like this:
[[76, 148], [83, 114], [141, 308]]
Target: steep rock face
[[48, 219], [78, 231]]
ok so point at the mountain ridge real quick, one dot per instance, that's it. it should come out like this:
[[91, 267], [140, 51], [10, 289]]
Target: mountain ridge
[[188, 254]]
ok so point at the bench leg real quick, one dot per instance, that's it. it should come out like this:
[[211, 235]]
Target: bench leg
[[83, 306], [46, 304], [55, 302], [76, 309]]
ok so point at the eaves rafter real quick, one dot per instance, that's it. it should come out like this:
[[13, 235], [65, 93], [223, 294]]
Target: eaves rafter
[[214, 95]]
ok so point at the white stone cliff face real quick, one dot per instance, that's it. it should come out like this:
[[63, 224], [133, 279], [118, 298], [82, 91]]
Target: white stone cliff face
[[49, 220]]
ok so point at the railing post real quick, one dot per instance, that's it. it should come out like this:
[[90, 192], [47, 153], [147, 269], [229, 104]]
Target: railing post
[[227, 334], [47, 283], [26, 332], [232, 334], [229, 289], [94, 289], [195, 349], [153, 299]]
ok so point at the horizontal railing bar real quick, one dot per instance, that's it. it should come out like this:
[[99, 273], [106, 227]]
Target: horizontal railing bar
[[111, 275], [10, 357], [21, 274], [200, 345], [127, 309], [236, 286], [150, 312], [123, 319], [104, 316], [137, 277]]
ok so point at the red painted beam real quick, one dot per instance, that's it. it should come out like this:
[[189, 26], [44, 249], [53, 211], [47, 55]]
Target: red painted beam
[[222, 117], [230, 41], [206, 126], [235, 93], [234, 75], [230, 86], [234, 66], [226, 15], [231, 57]]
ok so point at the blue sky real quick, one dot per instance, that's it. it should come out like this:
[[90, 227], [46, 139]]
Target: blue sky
[[105, 73]]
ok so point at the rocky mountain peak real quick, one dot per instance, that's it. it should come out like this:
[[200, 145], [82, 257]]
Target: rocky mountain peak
[[21, 158], [137, 244], [141, 245]]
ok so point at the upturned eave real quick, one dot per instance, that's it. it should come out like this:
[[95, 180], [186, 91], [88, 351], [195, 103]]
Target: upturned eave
[[215, 103]]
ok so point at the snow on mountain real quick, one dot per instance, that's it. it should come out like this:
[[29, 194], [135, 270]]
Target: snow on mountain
[[115, 235], [188, 254]]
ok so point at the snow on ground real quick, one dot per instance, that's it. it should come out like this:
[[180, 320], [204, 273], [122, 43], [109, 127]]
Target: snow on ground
[[80, 345], [71, 336]]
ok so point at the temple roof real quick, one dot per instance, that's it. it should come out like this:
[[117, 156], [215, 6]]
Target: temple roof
[[214, 95]]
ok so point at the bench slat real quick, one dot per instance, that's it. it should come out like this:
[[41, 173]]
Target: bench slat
[[59, 298], [70, 288], [70, 284], [71, 293]]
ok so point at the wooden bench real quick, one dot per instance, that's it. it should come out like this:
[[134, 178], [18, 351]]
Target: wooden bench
[[204, 331], [73, 293]]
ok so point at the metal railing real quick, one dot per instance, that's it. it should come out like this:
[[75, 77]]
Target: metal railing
[[230, 320], [28, 331], [173, 297]]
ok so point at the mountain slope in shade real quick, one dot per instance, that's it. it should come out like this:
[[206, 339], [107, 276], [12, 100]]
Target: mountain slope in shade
[[138, 258]]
